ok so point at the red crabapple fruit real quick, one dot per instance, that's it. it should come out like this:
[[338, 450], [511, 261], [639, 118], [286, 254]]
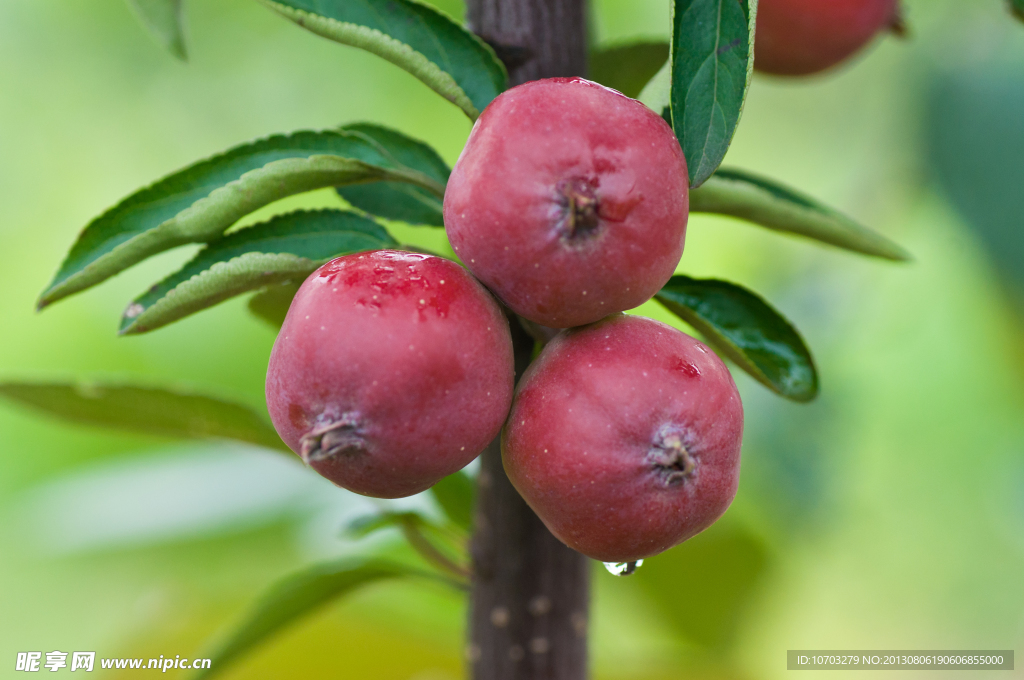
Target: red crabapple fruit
[[624, 438], [391, 370], [569, 201], [800, 37]]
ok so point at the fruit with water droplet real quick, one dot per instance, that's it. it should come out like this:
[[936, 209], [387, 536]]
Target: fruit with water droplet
[[391, 371], [569, 201], [624, 438], [800, 37]]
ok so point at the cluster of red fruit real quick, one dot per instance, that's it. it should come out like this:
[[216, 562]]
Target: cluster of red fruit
[[394, 369], [569, 203]]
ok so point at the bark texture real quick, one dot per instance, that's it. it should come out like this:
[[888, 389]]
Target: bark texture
[[535, 38], [530, 593]]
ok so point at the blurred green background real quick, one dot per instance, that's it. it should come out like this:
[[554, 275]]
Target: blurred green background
[[887, 514]]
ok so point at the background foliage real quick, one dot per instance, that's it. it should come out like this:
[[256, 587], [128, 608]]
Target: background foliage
[[888, 513]]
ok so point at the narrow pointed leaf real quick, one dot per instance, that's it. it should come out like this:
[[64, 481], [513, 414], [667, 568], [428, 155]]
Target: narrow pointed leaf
[[456, 494], [712, 62], [271, 304], [628, 68], [741, 326], [150, 410], [399, 200], [413, 36], [772, 205], [298, 596], [199, 203], [164, 21], [286, 249]]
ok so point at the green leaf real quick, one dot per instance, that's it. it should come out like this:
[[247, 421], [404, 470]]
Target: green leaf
[[743, 327], [271, 304], [286, 249], [712, 62], [150, 410], [199, 203], [399, 200], [163, 19], [456, 494], [298, 596], [1017, 7], [413, 36], [627, 68], [769, 204]]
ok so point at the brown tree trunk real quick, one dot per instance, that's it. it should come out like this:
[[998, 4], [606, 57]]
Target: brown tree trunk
[[535, 38], [531, 594]]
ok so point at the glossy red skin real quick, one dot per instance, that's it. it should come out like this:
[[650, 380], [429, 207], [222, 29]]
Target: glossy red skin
[[502, 206], [800, 37], [585, 417], [410, 344]]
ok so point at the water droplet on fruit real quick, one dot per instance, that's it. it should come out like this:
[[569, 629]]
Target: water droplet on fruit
[[622, 568], [688, 368]]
